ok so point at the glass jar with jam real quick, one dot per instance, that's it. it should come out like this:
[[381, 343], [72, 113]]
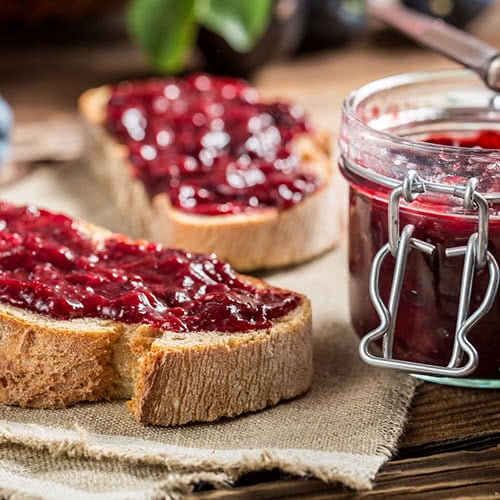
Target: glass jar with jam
[[421, 153]]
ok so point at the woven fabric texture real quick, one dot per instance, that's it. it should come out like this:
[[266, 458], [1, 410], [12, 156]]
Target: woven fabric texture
[[342, 430]]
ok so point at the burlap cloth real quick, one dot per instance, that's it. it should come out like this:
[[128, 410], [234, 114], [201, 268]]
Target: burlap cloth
[[342, 430]]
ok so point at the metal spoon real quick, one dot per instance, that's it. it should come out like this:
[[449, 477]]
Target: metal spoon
[[441, 37]]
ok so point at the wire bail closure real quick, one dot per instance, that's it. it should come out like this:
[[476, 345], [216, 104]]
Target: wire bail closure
[[399, 245]]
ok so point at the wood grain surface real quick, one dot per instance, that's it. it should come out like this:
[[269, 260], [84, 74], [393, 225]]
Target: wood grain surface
[[444, 475], [451, 448]]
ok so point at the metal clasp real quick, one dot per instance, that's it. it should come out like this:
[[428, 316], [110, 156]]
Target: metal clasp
[[476, 255]]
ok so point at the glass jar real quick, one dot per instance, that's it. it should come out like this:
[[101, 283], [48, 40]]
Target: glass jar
[[424, 277]]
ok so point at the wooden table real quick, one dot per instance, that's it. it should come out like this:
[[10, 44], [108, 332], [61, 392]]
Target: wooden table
[[437, 458], [451, 447]]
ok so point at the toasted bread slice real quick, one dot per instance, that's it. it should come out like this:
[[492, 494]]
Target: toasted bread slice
[[264, 239], [170, 378]]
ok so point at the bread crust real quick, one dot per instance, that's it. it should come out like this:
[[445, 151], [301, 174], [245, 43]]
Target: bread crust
[[184, 380], [171, 378], [265, 239]]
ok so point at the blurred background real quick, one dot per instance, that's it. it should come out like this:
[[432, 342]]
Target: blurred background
[[313, 51]]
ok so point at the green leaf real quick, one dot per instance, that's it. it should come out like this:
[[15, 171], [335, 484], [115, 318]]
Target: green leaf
[[355, 7], [165, 29], [240, 22]]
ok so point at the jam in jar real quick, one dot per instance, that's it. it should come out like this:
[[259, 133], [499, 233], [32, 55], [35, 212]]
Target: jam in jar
[[443, 129]]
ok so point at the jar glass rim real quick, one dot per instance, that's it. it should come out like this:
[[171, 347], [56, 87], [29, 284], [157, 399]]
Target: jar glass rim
[[357, 96]]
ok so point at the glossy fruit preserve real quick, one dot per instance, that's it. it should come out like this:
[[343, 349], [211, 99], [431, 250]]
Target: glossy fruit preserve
[[47, 265], [210, 144], [428, 309]]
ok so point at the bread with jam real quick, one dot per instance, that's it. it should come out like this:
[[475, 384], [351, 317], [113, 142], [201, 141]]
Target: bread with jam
[[204, 164], [88, 315]]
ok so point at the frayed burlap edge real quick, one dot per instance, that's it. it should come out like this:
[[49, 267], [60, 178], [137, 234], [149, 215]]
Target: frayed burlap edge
[[175, 487], [219, 467], [11, 494], [355, 471]]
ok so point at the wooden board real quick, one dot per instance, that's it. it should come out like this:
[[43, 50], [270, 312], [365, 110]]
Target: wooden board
[[451, 449], [445, 475]]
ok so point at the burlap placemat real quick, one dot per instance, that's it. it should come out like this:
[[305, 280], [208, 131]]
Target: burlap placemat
[[342, 430]]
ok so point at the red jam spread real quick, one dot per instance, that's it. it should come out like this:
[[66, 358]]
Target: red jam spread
[[429, 302], [47, 265], [485, 139], [210, 144]]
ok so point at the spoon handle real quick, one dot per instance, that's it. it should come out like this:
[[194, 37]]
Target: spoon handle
[[441, 37]]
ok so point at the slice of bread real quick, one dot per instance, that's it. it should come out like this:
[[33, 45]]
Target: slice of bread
[[170, 378], [263, 239]]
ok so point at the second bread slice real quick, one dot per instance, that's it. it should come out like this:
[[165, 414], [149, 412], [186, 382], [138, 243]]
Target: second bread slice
[[254, 239]]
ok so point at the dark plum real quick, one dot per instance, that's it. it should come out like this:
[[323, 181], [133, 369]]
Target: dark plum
[[457, 12], [331, 22], [281, 39]]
